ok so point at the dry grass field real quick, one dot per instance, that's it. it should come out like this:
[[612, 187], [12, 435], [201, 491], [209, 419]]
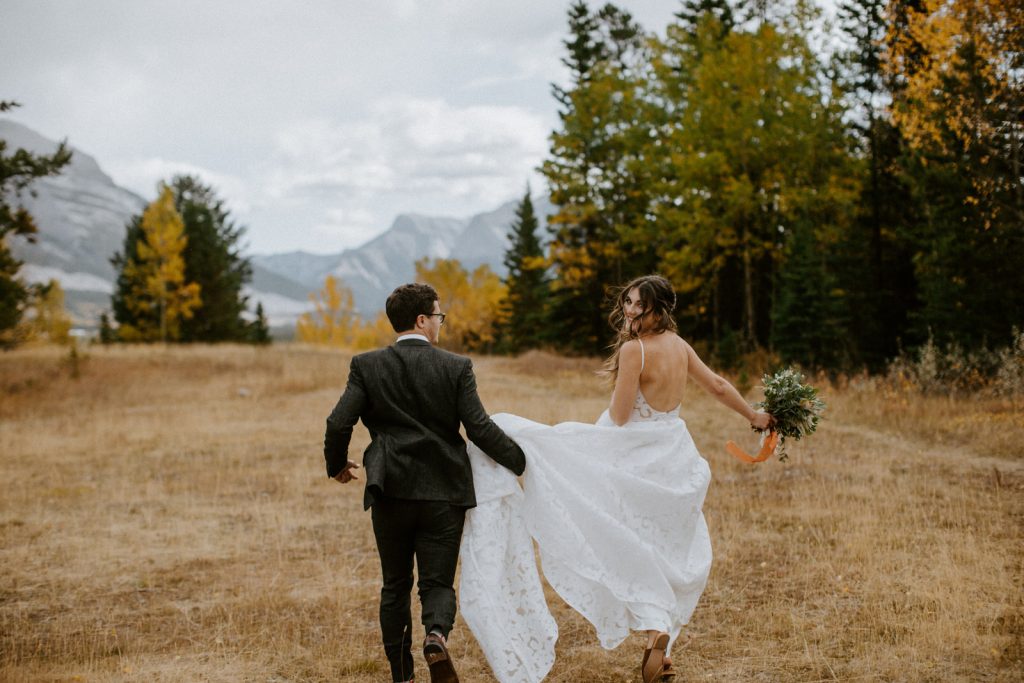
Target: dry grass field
[[166, 517]]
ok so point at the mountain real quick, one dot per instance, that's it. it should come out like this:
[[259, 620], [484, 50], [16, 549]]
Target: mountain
[[300, 267], [372, 270], [81, 215], [485, 238], [386, 261]]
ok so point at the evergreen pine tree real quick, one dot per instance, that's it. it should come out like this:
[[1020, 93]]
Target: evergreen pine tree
[[213, 261], [596, 174], [107, 333], [584, 51], [156, 297], [740, 168], [125, 285], [259, 331], [13, 295], [693, 12], [809, 317], [527, 282], [17, 172], [877, 267], [958, 104]]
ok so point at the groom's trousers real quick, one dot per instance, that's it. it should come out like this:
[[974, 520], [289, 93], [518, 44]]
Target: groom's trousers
[[430, 531]]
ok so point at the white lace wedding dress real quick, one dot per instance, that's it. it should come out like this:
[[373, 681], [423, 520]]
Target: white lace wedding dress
[[616, 515]]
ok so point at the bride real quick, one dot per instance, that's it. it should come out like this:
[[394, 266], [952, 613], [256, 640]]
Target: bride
[[614, 507]]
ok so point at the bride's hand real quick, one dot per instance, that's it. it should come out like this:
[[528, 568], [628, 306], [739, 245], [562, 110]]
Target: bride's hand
[[761, 420]]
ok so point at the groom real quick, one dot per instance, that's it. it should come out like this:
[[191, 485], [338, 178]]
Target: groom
[[412, 396]]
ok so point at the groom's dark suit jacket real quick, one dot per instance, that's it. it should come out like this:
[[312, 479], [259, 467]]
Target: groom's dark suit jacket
[[412, 396]]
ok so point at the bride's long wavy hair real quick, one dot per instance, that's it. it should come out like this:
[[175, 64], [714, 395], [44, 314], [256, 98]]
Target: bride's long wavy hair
[[657, 297]]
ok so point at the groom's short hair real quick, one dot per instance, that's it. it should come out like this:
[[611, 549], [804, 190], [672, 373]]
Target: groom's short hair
[[407, 303]]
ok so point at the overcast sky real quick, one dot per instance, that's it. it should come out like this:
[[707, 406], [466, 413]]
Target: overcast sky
[[317, 121]]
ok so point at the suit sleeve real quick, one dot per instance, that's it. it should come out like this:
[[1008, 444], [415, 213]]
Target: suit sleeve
[[481, 428], [342, 419]]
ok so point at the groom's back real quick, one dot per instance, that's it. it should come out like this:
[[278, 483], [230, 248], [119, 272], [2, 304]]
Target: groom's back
[[412, 413], [413, 385]]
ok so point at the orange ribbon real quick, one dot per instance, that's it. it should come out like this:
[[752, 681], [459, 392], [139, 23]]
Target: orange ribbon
[[767, 448]]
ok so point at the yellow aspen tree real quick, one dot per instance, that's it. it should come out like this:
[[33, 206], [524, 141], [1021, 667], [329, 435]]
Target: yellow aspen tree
[[958, 62], [372, 334], [489, 293], [158, 273], [929, 54], [451, 281], [471, 301], [52, 320], [333, 321]]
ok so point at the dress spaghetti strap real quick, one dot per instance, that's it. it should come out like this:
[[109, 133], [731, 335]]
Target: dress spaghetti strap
[[642, 357]]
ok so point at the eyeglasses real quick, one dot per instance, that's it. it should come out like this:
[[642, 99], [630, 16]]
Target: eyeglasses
[[439, 315]]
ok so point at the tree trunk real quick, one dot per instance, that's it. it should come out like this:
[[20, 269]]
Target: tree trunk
[[715, 312], [748, 294], [163, 319], [1018, 193], [876, 208]]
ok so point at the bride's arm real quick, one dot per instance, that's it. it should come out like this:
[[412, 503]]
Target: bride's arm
[[626, 384], [723, 391]]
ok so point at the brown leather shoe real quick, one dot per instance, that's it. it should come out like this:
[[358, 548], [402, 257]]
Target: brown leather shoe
[[441, 668]]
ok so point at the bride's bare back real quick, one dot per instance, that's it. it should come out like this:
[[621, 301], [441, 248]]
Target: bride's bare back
[[664, 363], [657, 367], [660, 369]]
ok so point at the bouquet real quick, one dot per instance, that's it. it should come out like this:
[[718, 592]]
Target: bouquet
[[795, 409]]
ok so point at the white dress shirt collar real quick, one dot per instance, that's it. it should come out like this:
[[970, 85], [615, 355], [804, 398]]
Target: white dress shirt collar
[[412, 336]]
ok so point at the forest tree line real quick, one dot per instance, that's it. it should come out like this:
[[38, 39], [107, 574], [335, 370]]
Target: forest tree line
[[832, 194], [830, 207], [180, 272]]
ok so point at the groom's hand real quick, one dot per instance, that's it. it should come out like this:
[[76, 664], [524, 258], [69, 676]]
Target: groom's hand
[[346, 475]]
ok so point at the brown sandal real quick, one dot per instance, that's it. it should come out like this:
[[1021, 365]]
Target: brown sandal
[[653, 667]]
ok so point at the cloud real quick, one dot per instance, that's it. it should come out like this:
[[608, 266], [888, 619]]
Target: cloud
[[403, 10], [142, 176], [424, 155], [346, 180], [320, 123], [537, 60], [354, 225]]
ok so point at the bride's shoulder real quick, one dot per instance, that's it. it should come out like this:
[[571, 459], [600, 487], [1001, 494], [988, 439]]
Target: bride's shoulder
[[630, 353], [630, 347], [682, 344]]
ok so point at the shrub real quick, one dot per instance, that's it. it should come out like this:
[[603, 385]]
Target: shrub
[[950, 371]]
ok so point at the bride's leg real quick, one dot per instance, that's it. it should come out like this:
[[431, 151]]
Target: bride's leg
[[651, 636]]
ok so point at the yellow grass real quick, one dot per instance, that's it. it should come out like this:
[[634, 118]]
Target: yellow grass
[[166, 517]]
